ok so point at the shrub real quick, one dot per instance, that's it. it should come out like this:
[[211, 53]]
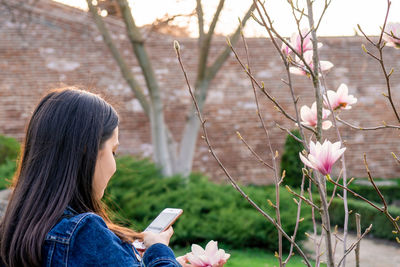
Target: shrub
[[381, 226], [9, 151], [291, 162], [391, 193], [211, 211], [7, 171]]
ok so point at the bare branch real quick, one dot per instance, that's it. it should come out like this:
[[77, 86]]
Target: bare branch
[[200, 18], [334, 191], [355, 243], [357, 250], [126, 73], [137, 43], [223, 56], [286, 63], [367, 128], [253, 152], [309, 202], [384, 210], [215, 20], [164, 21], [273, 156], [271, 31], [355, 194], [379, 46], [297, 221], [262, 88], [373, 183], [205, 44], [327, 3], [289, 133], [395, 157]]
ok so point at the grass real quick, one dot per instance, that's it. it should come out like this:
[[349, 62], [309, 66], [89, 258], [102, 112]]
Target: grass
[[253, 258]]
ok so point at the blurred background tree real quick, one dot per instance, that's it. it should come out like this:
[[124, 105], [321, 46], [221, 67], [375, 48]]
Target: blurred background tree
[[172, 155]]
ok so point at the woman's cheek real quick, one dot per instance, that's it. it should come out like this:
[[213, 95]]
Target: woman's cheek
[[113, 166]]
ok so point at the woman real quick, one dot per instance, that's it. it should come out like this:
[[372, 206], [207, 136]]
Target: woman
[[55, 216]]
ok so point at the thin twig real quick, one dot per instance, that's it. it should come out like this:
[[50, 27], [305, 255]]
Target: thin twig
[[354, 194], [274, 168], [373, 183], [289, 133], [379, 46], [309, 202], [271, 30], [297, 221], [355, 243], [253, 152], [334, 191], [260, 86], [286, 63], [384, 210], [395, 157], [357, 250], [314, 223], [263, 90], [337, 239], [327, 3], [385, 126]]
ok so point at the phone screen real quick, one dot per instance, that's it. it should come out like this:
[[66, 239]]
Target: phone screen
[[163, 220]]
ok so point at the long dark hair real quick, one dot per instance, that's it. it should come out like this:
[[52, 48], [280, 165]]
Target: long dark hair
[[56, 168]]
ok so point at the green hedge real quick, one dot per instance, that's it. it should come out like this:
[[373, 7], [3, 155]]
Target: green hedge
[[291, 162], [391, 193], [138, 193], [381, 226], [9, 151]]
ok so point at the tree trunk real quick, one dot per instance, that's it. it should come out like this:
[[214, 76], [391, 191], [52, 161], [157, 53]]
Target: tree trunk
[[190, 132], [161, 151]]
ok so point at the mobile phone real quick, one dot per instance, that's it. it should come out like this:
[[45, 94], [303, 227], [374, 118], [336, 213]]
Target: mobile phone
[[164, 220]]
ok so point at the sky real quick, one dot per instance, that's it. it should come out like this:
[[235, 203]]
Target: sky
[[340, 19]]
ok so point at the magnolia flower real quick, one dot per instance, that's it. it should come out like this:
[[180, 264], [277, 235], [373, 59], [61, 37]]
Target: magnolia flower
[[309, 116], [295, 42], [322, 157], [339, 99], [210, 257], [300, 68], [392, 35]]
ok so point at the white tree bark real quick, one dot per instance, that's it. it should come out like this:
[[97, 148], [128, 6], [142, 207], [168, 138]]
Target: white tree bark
[[190, 132]]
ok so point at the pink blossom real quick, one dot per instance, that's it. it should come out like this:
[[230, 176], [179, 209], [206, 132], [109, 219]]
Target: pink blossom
[[309, 116], [210, 257], [392, 28], [300, 68], [339, 99], [295, 42], [322, 157]]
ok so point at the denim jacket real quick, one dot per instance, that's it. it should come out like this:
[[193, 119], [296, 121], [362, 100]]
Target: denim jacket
[[85, 240]]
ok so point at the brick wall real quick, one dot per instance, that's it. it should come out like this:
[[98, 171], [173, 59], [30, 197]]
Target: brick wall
[[49, 45]]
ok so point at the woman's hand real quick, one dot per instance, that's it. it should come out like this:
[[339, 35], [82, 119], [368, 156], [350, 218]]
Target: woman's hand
[[185, 263], [150, 238]]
